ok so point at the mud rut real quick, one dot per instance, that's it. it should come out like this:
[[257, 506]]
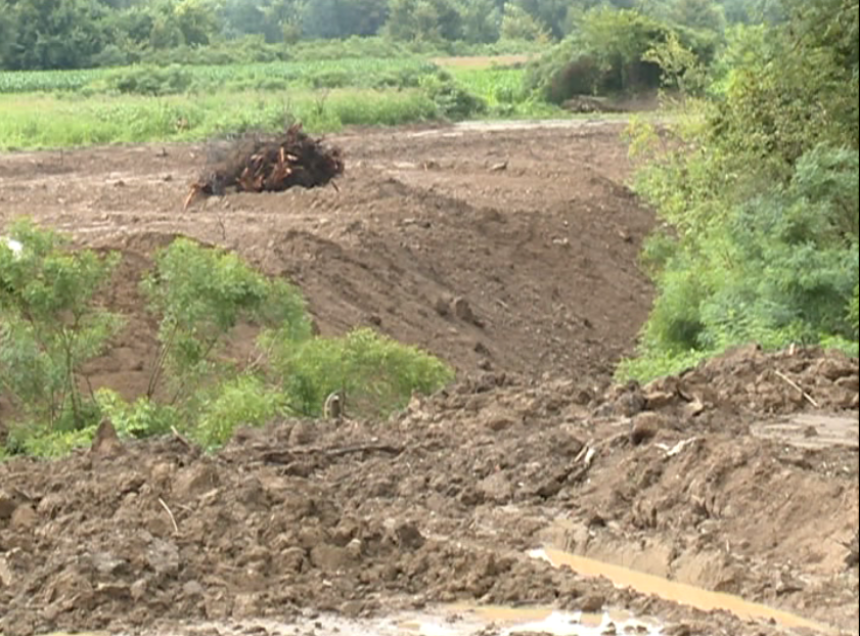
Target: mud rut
[[709, 479]]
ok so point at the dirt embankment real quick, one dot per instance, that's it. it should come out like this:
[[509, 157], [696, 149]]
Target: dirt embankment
[[506, 250], [442, 502]]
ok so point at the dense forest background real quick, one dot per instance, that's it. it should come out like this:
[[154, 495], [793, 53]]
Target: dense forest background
[[66, 34]]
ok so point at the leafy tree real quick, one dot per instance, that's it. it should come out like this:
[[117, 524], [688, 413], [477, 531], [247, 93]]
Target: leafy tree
[[197, 21], [681, 69], [53, 34], [51, 325], [481, 20], [551, 15], [699, 14], [343, 18], [517, 24], [762, 199], [200, 295], [424, 20]]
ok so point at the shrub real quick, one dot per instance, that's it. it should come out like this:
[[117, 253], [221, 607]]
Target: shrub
[[201, 294], [150, 80], [51, 324], [142, 418], [452, 100], [241, 401], [854, 310], [377, 374]]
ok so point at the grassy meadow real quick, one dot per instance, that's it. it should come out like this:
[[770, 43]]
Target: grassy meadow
[[48, 109]]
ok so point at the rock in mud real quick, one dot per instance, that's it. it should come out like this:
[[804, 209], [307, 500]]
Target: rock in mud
[[645, 427], [496, 487], [331, 558], [163, 557], [106, 441], [8, 504], [195, 480], [24, 518]]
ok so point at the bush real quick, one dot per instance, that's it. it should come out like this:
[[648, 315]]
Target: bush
[[605, 55], [241, 401], [150, 80], [51, 324], [142, 418], [200, 295], [854, 310], [377, 374], [452, 100]]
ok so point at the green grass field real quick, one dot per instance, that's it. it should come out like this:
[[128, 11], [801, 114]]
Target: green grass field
[[50, 109]]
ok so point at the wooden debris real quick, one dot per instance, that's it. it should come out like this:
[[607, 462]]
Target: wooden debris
[[260, 164]]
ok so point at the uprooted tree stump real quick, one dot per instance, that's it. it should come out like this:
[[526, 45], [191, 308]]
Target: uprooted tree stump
[[260, 164]]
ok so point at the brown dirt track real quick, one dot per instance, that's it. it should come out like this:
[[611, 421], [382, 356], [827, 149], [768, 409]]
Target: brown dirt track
[[455, 489]]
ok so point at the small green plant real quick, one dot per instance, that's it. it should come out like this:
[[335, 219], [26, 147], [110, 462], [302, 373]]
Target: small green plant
[[245, 400], [142, 418], [149, 80], [51, 324], [377, 374], [201, 294], [452, 100], [854, 310]]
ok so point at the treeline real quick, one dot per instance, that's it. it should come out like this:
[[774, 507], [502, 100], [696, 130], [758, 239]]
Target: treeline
[[66, 34]]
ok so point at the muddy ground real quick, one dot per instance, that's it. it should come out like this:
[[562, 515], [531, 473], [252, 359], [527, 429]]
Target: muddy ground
[[712, 479]]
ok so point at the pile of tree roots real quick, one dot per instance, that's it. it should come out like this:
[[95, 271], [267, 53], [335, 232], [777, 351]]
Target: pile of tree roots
[[270, 164]]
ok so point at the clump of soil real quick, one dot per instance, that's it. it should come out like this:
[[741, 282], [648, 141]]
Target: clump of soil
[[165, 532], [751, 380], [263, 164]]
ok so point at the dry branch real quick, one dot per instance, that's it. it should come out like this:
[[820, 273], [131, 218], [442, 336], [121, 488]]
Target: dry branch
[[261, 164]]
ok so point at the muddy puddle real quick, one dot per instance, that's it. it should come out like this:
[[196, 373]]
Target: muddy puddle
[[454, 620], [681, 593]]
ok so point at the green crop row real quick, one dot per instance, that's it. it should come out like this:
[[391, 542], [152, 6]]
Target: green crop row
[[359, 73]]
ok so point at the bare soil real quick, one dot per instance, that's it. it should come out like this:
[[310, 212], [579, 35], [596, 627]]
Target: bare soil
[[702, 478]]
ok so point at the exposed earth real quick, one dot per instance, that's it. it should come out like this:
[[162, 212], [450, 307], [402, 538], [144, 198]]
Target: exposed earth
[[512, 254]]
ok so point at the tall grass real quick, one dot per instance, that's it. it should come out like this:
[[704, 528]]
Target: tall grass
[[504, 93], [140, 104], [46, 121]]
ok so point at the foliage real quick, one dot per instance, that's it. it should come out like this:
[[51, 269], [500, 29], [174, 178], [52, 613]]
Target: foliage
[[365, 72], [854, 310], [141, 418], [40, 441], [150, 80], [604, 55], [200, 295], [377, 374], [517, 24], [244, 400], [681, 70], [452, 100], [760, 191], [51, 324]]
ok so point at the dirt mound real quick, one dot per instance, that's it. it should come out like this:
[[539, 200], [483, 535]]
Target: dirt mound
[[440, 503], [527, 269], [161, 532], [751, 380], [540, 259]]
